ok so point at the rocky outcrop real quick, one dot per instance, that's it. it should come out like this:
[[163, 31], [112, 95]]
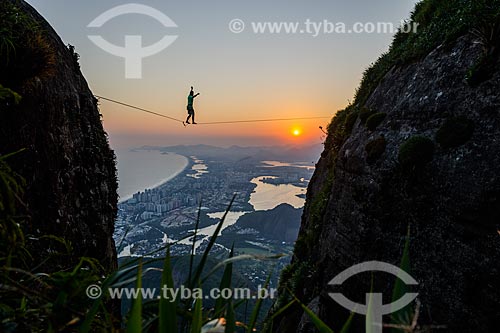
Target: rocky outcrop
[[376, 184], [67, 163], [280, 223]]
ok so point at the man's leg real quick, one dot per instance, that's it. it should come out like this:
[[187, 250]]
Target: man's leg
[[187, 120], [193, 118]]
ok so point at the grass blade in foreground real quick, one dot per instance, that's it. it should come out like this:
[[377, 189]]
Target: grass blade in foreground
[[256, 309], [347, 326], [225, 283], [134, 323], [194, 243], [197, 322], [241, 257], [167, 307], [230, 318], [320, 325], [276, 314], [211, 243], [403, 316]]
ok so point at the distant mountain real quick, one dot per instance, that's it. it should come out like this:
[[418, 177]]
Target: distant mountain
[[309, 153], [281, 223]]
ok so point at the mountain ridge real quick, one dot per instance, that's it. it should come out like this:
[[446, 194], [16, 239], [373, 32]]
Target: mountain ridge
[[307, 153]]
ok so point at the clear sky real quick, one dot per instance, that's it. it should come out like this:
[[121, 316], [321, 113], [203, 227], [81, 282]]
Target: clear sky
[[240, 76]]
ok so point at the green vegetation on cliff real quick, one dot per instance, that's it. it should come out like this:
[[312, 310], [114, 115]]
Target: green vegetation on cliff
[[440, 24], [416, 152], [24, 51]]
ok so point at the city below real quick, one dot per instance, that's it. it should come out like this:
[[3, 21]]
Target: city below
[[263, 220]]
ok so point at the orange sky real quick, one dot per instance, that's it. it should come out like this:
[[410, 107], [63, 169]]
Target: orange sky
[[240, 76], [118, 119]]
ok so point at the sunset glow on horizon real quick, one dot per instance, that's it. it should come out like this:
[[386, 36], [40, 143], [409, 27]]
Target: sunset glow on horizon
[[239, 77]]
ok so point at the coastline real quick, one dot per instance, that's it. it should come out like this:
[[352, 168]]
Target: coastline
[[191, 161], [176, 203], [187, 163]]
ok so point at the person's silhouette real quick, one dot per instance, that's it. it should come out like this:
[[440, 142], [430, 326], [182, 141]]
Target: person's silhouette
[[190, 108]]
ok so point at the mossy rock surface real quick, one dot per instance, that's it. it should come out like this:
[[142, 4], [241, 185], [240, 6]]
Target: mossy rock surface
[[25, 50], [365, 113], [375, 149], [350, 121], [455, 132], [416, 152], [374, 120]]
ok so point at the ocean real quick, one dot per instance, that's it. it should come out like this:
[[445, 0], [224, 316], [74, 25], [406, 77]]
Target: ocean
[[145, 169], [142, 169], [139, 170]]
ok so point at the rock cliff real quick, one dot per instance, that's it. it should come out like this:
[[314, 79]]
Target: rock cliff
[[420, 152], [67, 163]]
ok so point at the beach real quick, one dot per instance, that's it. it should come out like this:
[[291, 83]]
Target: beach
[[146, 169]]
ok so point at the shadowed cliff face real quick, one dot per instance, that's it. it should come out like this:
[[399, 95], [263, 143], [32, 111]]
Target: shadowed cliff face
[[362, 199], [67, 162]]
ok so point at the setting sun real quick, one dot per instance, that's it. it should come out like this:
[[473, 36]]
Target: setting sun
[[296, 132]]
